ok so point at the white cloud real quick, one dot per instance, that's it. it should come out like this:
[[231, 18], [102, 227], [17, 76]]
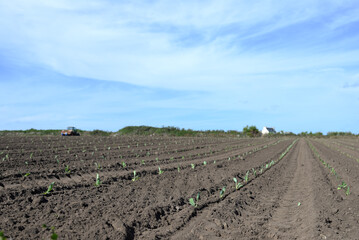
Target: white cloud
[[141, 42]]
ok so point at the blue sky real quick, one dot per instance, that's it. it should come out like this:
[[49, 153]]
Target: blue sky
[[292, 65]]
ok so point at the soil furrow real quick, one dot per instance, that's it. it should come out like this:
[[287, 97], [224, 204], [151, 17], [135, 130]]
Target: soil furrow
[[296, 214]]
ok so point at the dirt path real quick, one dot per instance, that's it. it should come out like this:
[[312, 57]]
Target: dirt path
[[296, 215]]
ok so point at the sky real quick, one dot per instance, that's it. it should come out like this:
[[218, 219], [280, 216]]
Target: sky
[[291, 65]]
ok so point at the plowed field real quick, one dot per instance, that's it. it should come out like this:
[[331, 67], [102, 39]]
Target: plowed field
[[287, 188]]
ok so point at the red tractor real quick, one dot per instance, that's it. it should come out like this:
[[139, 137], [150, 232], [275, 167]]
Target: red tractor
[[71, 131]]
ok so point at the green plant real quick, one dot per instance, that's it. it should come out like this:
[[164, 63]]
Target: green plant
[[237, 184], [193, 165], [67, 170], [54, 235], [254, 171], [159, 170], [98, 181], [194, 202], [178, 168], [124, 164], [204, 163], [2, 236], [347, 192], [246, 177], [26, 174], [49, 188], [135, 177], [342, 186], [98, 166], [143, 162], [221, 193]]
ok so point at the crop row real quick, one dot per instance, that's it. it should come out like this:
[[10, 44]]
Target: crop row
[[342, 184], [250, 175], [341, 151]]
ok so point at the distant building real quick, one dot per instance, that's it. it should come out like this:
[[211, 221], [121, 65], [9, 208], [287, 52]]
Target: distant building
[[267, 130]]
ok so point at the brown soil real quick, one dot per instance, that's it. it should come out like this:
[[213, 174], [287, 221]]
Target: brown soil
[[290, 197]]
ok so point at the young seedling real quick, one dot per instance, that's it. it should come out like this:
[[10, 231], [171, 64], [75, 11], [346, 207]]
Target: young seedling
[[67, 170], [98, 181], [98, 166], [178, 169], [343, 185], [347, 192], [193, 202], [192, 165], [54, 236], [134, 176], [159, 171], [221, 193], [124, 164], [49, 188], [143, 162], [157, 159], [237, 184], [26, 174], [2, 236], [246, 177], [205, 163], [254, 171]]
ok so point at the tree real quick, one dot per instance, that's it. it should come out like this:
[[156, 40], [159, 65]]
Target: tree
[[251, 131]]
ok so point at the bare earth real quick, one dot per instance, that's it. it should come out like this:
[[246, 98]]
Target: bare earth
[[290, 193]]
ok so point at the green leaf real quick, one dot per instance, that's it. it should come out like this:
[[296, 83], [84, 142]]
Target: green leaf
[[54, 236], [222, 192], [197, 198], [191, 201], [49, 188]]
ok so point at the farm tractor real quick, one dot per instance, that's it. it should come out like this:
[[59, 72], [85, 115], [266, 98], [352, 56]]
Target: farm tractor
[[71, 131]]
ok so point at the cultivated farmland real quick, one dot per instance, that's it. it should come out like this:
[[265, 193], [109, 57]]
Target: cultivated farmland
[[126, 187]]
